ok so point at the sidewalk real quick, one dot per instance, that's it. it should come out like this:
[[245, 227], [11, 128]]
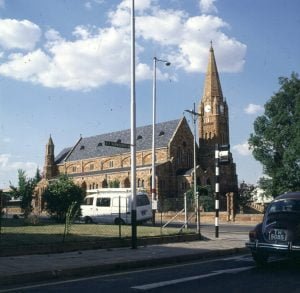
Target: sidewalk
[[32, 268]]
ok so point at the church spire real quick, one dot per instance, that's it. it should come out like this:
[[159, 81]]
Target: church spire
[[212, 85]]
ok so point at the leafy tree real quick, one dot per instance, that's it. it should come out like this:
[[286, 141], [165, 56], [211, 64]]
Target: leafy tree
[[276, 139], [114, 184], [206, 198], [24, 191], [245, 194], [60, 195], [38, 176]]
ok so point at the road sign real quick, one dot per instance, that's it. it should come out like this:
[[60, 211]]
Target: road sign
[[117, 144]]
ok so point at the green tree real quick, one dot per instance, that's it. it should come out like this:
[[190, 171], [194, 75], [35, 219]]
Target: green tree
[[206, 197], [60, 195], [38, 176], [276, 138], [24, 191], [246, 192], [114, 184]]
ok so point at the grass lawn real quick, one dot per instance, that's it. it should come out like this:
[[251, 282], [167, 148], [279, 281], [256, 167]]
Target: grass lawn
[[15, 233]]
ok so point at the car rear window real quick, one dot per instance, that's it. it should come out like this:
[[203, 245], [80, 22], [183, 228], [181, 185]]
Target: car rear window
[[286, 205]]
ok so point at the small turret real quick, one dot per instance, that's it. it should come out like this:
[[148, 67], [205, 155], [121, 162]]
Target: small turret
[[49, 167]]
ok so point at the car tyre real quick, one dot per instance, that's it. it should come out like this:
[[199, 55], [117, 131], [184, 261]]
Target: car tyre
[[119, 221], [88, 220]]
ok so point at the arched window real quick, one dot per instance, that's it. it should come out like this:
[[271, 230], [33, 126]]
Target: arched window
[[104, 183], [127, 183]]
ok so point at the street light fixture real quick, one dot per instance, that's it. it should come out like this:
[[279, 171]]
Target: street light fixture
[[153, 183], [196, 195]]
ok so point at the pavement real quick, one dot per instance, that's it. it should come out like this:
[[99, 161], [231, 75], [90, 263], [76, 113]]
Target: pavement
[[57, 266]]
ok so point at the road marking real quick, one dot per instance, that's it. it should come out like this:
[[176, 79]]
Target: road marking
[[52, 283], [193, 278]]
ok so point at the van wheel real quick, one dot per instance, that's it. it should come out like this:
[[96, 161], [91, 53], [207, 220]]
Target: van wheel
[[88, 220], [119, 221]]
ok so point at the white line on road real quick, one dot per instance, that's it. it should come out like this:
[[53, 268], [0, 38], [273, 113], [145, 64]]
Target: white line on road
[[53, 283], [187, 279]]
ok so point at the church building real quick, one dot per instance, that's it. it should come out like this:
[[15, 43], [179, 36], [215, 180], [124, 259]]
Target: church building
[[92, 163]]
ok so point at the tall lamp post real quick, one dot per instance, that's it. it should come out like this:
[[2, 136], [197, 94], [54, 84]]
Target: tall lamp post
[[133, 133], [196, 195], [153, 183]]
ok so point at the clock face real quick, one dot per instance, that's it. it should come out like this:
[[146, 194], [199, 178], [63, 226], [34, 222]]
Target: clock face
[[207, 108]]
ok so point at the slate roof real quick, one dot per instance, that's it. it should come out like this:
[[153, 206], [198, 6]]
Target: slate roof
[[92, 147]]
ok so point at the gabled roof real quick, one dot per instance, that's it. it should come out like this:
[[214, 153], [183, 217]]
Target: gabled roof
[[92, 147]]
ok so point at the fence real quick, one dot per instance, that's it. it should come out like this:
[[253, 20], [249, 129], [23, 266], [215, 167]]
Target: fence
[[41, 233]]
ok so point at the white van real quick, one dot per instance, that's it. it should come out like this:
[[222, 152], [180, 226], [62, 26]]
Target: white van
[[113, 205]]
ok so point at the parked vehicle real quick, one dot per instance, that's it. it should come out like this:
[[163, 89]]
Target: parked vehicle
[[279, 233], [113, 205]]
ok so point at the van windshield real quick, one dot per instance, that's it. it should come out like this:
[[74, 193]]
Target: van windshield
[[88, 201], [142, 200]]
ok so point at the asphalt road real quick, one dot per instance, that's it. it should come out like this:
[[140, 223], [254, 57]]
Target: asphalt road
[[228, 274]]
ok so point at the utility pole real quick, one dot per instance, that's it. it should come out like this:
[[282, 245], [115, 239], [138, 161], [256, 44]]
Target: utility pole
[[153, 181], [133, 134], [195, 115]]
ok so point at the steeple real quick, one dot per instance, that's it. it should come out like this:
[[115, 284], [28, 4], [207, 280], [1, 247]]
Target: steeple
[[213, 121], [213, 126], [212, 85], [49, 167]]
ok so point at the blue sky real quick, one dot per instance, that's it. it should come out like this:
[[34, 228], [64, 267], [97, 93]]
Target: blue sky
[[65, 68]]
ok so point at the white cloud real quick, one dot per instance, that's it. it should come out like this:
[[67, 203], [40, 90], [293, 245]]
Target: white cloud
[[26, 67], [207, 6], [253, 109], [243, 149], [16, 34], [4, 160], [88, 5], [6, 165], [6, 139], [104, 53]]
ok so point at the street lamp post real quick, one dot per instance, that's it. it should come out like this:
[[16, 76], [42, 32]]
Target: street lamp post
[[153, 183], [196, 195], [133, 133]]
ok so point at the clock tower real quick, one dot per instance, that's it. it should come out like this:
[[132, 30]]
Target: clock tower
[[214, 125]]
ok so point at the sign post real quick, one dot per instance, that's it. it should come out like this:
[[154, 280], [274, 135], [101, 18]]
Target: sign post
[[221, 158]]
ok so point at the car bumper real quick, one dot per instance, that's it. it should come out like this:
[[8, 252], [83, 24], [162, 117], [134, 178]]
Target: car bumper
[[273, 248]]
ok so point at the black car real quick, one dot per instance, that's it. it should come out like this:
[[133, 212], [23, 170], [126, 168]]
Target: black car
[[279, 233]]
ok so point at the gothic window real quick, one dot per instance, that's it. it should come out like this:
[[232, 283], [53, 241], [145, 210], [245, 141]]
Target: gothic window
[[104, 183], [91, 167], [111, 164], [126, 183], [139, 182], [74, 169], [143, 183]]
